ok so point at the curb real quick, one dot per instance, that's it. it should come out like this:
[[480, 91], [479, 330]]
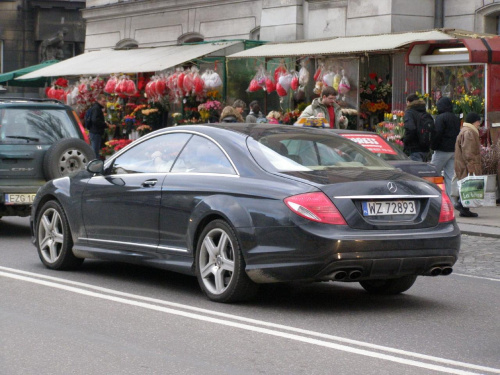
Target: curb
[[479, 230]]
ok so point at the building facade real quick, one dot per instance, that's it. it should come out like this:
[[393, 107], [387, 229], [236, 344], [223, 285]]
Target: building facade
[[122, 23], [32, 31]]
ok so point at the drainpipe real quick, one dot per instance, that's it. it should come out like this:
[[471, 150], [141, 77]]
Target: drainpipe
[[438, 14]]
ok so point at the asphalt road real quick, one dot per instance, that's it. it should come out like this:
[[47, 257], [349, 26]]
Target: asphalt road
[[110, 318]]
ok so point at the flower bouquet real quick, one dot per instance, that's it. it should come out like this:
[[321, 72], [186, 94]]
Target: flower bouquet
[[392, 128]]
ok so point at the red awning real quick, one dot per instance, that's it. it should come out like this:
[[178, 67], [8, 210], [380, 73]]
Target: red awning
[[483, 50]]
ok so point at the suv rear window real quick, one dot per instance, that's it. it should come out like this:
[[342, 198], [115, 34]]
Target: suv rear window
[[40, 126]]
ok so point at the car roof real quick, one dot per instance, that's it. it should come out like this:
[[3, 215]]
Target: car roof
[[32, 102]]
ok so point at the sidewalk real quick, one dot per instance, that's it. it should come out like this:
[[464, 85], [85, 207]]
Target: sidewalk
[[487, 224]]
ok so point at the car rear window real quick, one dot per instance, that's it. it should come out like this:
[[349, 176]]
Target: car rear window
[[39, 126], [289, 151]]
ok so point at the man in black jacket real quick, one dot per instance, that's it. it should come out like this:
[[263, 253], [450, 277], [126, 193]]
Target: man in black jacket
[[443, 138], [97, 124], [415, 108]]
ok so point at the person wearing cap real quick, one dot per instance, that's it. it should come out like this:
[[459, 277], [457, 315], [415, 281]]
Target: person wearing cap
[[468, 155]]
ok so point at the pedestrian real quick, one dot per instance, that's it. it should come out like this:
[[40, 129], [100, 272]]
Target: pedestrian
[[415, 109], [468, 155], [255, 113], [230, 114], [325, 106], [240, 106], [443, 139], [273, 117], [97, 125]]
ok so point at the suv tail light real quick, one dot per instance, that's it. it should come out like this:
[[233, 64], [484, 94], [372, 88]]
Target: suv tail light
[[315, 207], [447, 213], [82, 128]]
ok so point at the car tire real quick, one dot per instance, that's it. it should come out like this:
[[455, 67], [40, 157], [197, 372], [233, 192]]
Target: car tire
[[66, 157], [220, 267], [389, 286], [53, 238]]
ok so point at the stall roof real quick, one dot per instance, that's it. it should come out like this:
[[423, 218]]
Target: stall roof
[[136, 60], [345, 45], [9, 77]]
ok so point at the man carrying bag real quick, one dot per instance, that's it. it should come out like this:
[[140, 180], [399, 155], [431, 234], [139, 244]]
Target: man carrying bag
[[468, 156]]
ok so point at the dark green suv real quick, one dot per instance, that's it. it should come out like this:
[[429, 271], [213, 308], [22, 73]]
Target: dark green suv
[[40, 139]]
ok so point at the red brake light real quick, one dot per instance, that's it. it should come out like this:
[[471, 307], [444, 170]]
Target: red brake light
[[315, 207], [447, 213]]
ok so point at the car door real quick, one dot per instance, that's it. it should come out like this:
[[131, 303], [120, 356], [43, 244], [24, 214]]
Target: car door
[[121, 208], [202, 169]]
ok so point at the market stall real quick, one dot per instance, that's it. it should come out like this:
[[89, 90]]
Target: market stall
[[143, 85]]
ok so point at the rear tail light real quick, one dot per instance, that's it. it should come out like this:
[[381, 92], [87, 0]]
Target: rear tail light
[[82, 128], [438, 180], [315, 207], [447, 213]]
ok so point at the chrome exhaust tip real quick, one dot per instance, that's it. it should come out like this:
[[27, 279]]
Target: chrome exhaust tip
[[338, 275], [446, 271], [435, 271], [356, 274]]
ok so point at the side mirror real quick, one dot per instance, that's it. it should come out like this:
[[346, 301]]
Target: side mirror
[[96, 166]]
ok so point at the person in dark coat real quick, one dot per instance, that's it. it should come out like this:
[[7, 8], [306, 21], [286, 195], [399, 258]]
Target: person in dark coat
[[415, 108], [97, 124], [443, 139]]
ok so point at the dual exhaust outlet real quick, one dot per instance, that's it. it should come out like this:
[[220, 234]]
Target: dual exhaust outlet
[[346, 275], [436, 271], [356, 274]]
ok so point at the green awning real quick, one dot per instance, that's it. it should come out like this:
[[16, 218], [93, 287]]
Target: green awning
[[8, 79]]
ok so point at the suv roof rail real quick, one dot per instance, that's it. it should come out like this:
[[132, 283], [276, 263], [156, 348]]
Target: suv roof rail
[[27, 100]]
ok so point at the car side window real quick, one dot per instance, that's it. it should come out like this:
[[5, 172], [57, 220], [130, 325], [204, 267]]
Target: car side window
[[201, 155], [154, 155]]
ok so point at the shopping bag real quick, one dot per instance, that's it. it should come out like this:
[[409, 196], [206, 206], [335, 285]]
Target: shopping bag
[[471, 191]]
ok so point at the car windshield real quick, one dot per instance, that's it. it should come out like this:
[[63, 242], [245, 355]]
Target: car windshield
[[305, 151], [41, 126]]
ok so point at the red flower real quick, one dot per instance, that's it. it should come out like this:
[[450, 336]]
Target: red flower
[[61, 82], [372, 87], [373, 76]]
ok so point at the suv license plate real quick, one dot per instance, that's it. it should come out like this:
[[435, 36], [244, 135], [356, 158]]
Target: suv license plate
[[19, 198], [389, 208]]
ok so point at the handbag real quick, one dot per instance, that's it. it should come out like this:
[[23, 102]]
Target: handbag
[[471, 190]]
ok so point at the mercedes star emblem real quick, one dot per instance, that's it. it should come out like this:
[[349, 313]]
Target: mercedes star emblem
[[392, 187]]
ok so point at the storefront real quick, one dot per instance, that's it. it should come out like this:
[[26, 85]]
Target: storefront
[[466, 70]]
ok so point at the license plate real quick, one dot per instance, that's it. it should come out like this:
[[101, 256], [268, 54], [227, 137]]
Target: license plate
[[19, 198], [389, 208]]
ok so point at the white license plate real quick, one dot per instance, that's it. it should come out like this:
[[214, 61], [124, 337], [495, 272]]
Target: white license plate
[[389, 208], [19, 198]]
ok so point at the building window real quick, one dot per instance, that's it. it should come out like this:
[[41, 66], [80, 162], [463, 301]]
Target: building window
[[190, 38]]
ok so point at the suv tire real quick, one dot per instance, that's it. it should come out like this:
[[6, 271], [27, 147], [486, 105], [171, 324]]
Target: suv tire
[[66, 157]]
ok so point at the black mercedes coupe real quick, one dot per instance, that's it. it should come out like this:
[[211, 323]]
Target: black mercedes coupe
[[238, 205]]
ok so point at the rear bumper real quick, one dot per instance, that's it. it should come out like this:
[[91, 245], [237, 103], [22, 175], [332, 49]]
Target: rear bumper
[[384, 255]]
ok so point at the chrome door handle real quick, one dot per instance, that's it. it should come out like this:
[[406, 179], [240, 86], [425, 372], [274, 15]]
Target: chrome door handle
[[149, 183]]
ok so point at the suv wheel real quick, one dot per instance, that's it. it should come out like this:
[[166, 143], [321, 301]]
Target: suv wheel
[[65, 157]]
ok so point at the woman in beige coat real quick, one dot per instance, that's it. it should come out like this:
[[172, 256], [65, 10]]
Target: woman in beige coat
[[468, 155]]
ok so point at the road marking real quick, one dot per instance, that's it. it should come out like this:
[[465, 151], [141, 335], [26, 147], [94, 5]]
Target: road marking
[[476, 277], [36, 279]]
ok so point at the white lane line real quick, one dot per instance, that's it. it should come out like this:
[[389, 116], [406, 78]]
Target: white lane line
[[252, 328], [476, 277]]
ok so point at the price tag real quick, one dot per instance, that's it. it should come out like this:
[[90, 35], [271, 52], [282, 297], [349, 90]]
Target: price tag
[[461, 115], [394, 117]]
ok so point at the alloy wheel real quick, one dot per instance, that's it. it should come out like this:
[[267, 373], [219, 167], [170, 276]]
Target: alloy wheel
[[216, 261], [50, 235]]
